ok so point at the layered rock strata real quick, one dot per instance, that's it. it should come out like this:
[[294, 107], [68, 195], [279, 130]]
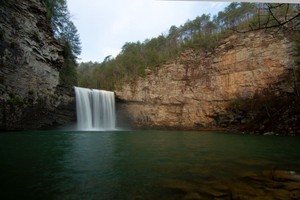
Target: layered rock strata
[[31, 96], [198, 85]]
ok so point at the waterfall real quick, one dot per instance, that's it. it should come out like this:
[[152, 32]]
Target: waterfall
[[95, 109]]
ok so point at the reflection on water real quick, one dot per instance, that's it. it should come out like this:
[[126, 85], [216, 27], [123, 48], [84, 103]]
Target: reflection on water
[[136, 164]]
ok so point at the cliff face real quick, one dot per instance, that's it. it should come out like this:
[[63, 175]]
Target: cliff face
[[192, 90], [31, 95]]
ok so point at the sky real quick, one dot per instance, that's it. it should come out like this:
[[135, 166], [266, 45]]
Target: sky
[[105, 26]]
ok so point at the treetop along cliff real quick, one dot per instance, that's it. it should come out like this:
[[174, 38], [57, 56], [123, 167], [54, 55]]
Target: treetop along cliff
[[203, 33]]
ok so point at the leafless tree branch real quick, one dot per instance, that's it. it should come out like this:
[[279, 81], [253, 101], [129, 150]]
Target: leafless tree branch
[[271, 17]]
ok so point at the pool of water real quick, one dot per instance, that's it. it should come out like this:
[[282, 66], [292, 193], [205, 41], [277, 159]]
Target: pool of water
[[134, 164]]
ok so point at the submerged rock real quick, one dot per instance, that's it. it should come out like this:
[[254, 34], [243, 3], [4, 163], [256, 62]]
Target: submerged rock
[[265, 185], [192, 196]]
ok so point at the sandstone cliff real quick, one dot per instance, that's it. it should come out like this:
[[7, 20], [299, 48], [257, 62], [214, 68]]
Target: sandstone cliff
[[31, 95], [198, 86]]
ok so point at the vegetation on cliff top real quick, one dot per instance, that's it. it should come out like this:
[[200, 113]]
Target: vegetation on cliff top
[[66, 33], [62, 25], [204, 32]]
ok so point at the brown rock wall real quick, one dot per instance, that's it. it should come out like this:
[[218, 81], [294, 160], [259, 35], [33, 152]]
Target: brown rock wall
[[187, 92]]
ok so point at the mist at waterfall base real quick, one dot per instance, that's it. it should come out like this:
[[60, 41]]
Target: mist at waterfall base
[[95, 109]]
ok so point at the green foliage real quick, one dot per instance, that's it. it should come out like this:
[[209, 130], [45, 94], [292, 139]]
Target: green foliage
[[64, 28], [15, 101], [66, 32], [204, 32], [272, 15], [67, 51], [68, 73], [70, 35]]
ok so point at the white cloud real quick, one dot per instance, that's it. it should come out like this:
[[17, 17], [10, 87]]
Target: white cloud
[[105, 26]]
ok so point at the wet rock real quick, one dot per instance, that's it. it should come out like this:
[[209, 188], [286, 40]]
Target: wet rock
[[292, 186], [264, 185], [282, 176], [273, 184]]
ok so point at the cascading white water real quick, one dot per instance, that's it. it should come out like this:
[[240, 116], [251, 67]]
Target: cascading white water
[[95, 109]]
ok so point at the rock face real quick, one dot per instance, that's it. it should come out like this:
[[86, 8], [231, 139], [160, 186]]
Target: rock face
[[31, 95], [197, 86]]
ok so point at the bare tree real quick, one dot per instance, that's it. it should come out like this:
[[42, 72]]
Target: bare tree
[[275, 15]]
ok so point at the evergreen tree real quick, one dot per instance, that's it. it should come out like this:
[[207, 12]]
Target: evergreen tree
[[203, 32], [64, 29]]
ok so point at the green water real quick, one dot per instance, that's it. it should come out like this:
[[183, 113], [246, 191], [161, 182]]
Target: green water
[[132, 164]]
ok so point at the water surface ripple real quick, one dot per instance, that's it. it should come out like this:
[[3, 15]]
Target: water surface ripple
[[134, 164]]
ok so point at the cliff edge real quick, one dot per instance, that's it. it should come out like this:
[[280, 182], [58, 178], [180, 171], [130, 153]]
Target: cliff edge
[[198, 89], [31, 93]]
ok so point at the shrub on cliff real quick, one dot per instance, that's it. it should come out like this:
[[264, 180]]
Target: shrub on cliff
[[68, 73], [62, 25], [204, 32], [66, 32]]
